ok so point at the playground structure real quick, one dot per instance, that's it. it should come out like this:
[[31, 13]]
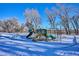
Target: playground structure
[[40, 35]]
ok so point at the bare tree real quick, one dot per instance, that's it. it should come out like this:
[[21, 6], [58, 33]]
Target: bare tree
[[64, 14], [10, 25], [33, 17], [52, 19], [75, 23], [22, 28], [14, 24], [2, 26]]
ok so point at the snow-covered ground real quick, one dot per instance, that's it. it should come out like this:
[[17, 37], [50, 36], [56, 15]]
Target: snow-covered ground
[[11, 45]]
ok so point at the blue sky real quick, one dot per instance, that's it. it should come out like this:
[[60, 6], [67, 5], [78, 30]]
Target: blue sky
[[17, 10]]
